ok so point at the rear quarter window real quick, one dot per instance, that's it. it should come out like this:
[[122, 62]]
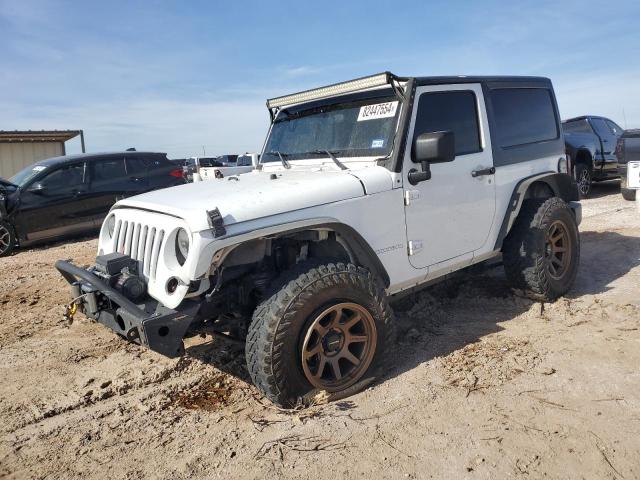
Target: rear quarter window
[[136, 166], [106, 170], [523, 116]]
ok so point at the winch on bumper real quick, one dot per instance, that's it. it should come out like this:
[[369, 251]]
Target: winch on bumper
[[113, 294]]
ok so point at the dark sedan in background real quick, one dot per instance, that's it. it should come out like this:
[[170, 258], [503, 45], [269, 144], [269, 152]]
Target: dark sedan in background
[[72, 194]]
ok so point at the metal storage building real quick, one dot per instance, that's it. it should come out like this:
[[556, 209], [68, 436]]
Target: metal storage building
[[19, 149]]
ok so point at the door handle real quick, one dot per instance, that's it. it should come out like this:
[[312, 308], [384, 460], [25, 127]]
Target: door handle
[[486, 171]]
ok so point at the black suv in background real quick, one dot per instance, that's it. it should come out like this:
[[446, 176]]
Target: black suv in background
[[591, 143], [70, 195]]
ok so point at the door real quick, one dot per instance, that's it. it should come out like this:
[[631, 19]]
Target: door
[[55, 204], [451, 214], [608, 139], [138, 174], [109, 183]]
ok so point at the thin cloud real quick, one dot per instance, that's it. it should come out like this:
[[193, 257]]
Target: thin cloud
[[302, 71]]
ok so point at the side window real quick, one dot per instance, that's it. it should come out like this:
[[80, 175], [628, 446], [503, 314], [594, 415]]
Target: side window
[[601, 128], [523, 116], [64, 178], [136, 166], [615, 128], [110, 169], [244, 161], [456, 111], [577, 126]]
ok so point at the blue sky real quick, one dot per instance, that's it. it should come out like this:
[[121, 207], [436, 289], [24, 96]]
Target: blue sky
[[185, 76]]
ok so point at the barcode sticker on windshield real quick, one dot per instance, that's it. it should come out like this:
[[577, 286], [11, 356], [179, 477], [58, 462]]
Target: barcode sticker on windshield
[[379, 110]]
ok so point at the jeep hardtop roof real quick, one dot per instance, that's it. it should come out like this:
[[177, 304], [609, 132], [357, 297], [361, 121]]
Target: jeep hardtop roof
[[388, 78]]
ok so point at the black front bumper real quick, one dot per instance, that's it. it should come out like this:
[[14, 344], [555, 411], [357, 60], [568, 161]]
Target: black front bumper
[[149, 324]]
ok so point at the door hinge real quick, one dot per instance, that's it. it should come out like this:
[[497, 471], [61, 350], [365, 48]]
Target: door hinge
[[410, 195], [415, 246]]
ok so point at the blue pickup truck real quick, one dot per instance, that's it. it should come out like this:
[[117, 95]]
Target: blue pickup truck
[[590, 142]]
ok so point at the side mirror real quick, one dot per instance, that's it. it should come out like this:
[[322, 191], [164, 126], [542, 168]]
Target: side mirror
[[37, 188], [428, 148], [434, 147]]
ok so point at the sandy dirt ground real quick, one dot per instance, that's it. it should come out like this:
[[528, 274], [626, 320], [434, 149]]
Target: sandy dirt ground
[[483, 384]]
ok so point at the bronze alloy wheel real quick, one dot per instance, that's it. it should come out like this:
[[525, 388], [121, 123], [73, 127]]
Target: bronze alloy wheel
[[557, 249], [5, 239], [339, 346]]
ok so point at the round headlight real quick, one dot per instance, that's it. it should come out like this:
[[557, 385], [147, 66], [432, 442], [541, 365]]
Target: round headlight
[[111, 225], [182, 246]]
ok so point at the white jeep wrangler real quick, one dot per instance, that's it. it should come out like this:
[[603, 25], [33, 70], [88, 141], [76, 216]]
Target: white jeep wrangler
[[366, 190]]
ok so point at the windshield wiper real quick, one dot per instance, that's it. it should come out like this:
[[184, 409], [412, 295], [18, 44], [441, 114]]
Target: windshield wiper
[[281, 156], [333, 157]]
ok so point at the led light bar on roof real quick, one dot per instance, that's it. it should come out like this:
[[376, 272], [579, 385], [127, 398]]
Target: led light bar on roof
[[331, 90]]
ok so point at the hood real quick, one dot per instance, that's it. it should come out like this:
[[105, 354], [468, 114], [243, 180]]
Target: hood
[[256, 194], [7, 183]]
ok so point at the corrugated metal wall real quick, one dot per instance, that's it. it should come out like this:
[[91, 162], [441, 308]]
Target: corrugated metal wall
[[15, 156]]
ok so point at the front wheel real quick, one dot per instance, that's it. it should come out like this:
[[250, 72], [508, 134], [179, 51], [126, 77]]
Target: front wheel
[[7, 239], [542, 251], [326, 328], [583, 179]]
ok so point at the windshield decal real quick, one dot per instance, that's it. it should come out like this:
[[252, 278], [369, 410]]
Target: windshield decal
[[377, 143], [379, 110]]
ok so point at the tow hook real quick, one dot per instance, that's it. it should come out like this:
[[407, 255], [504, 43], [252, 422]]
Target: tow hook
[[69, 311]]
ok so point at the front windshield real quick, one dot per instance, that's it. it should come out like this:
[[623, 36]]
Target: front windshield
[[354, 129], [23, 176]]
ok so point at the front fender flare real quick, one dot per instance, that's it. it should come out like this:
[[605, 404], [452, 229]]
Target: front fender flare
[[360, 248]]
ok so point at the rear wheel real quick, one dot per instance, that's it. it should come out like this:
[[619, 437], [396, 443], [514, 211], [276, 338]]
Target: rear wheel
[[326, 328], [542, 251], [627, 193], [583, 179], [7, 238]]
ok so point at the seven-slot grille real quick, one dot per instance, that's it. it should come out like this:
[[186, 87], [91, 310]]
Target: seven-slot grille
[[140, 242]]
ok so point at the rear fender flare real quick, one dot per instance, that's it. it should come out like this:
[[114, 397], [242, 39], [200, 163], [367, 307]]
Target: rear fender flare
[[561, 185]]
